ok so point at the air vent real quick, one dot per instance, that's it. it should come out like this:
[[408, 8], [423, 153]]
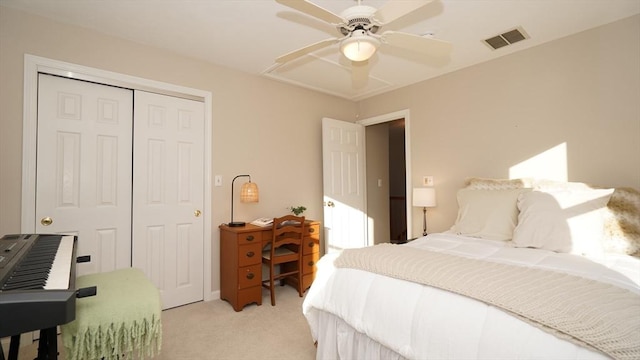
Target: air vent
[[506, 38]]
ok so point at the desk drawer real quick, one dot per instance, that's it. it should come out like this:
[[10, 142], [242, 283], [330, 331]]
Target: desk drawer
[[309, 263], [310, 246], [313, 231], [250, 238], [249, 276], [250, 254]]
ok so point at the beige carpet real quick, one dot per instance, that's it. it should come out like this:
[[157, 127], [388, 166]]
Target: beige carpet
[[213, 330]]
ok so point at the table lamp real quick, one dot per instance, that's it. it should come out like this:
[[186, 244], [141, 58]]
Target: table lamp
[[248, 194], [425, 197]]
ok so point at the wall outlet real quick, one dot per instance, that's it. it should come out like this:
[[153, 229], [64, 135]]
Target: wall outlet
[[217, 180], [427, 181]]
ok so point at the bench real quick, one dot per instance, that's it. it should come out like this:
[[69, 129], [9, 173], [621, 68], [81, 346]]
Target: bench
[[122, 321]]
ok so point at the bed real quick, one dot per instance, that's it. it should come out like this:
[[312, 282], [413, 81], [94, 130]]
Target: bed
[[531, 269]]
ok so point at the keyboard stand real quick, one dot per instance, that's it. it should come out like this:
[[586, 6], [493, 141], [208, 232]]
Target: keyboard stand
[[48, 344], [14, 347]]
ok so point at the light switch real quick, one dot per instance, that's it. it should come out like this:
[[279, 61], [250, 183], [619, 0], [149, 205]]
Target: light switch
[[379, 182], [217, 180], [427, 181]]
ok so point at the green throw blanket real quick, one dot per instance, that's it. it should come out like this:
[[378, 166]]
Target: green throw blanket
[[121, 321]]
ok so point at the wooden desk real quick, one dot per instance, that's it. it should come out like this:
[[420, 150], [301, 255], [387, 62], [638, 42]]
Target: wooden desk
[[241, 261]]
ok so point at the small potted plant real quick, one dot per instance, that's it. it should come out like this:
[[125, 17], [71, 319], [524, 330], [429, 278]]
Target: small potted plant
[[297, 210]]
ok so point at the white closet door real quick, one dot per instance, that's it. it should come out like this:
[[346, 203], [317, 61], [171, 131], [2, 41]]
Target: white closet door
[[83, 182], [169, 195]]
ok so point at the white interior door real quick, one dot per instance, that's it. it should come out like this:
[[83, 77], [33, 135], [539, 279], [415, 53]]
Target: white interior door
[[168, 200], [343, 163], [83, 182]]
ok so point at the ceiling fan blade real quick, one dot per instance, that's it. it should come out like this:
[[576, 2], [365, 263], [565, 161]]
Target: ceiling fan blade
[[394, 9], [417, 43], [359, 74], [314, 10], [306, 50]]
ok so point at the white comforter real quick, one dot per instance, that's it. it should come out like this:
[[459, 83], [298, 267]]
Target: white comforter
[[420, 322]]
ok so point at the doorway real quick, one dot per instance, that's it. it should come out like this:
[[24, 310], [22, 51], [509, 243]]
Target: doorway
[[388, 177], [386, 181]]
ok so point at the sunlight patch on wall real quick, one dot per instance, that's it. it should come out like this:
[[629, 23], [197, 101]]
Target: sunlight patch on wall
[[371, 230], [550, 164]]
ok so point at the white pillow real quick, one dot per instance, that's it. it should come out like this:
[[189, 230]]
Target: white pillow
[[562, 221], [487, 214]]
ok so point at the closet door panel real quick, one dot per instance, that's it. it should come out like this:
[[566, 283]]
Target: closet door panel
[[83, 182], [169, 195]]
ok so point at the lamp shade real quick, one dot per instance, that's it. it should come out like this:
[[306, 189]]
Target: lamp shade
[[359, 46], [424, 197], [249, 192]]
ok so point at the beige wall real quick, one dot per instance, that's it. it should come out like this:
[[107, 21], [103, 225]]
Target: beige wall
[[256, 121], [582, 91], [378, 169]]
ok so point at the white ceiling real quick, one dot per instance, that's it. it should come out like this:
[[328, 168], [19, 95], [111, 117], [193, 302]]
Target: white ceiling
[[248, 35]]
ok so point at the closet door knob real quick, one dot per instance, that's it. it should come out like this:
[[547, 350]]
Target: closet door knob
[[46, 221], [197, 213]]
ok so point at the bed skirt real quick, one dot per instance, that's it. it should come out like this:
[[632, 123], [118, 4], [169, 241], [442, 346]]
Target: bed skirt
[[338, 340]]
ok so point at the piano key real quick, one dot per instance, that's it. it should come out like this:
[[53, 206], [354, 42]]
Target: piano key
[[28, 277], [59, 275], [25, 285]]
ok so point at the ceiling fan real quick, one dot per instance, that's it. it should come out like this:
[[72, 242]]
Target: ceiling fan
[[359, 26]]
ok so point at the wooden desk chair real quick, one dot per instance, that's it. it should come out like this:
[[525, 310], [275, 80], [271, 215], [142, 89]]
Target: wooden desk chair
[[285, 247]]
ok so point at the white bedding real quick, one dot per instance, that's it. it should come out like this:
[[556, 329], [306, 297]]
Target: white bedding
[[420, 322]]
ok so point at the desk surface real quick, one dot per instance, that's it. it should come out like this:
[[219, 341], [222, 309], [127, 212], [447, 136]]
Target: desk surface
[[247, 228], [250, 227]]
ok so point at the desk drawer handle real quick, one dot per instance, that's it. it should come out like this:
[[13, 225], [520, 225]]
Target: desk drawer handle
[[310, 263], [311, 243], [250, 253], [311, 230], [250, 238], [250, 275]]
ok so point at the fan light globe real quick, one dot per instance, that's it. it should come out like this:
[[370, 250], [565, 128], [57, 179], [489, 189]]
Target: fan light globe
[[359, 47]]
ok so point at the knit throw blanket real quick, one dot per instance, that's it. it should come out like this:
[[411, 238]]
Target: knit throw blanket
[[121, 322], [591, 313]]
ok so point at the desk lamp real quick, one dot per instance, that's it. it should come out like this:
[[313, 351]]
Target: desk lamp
[[248, 194], [425, 197]]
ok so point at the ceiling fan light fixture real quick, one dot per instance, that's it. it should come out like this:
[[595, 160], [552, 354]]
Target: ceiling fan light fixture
[[359, 46]]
